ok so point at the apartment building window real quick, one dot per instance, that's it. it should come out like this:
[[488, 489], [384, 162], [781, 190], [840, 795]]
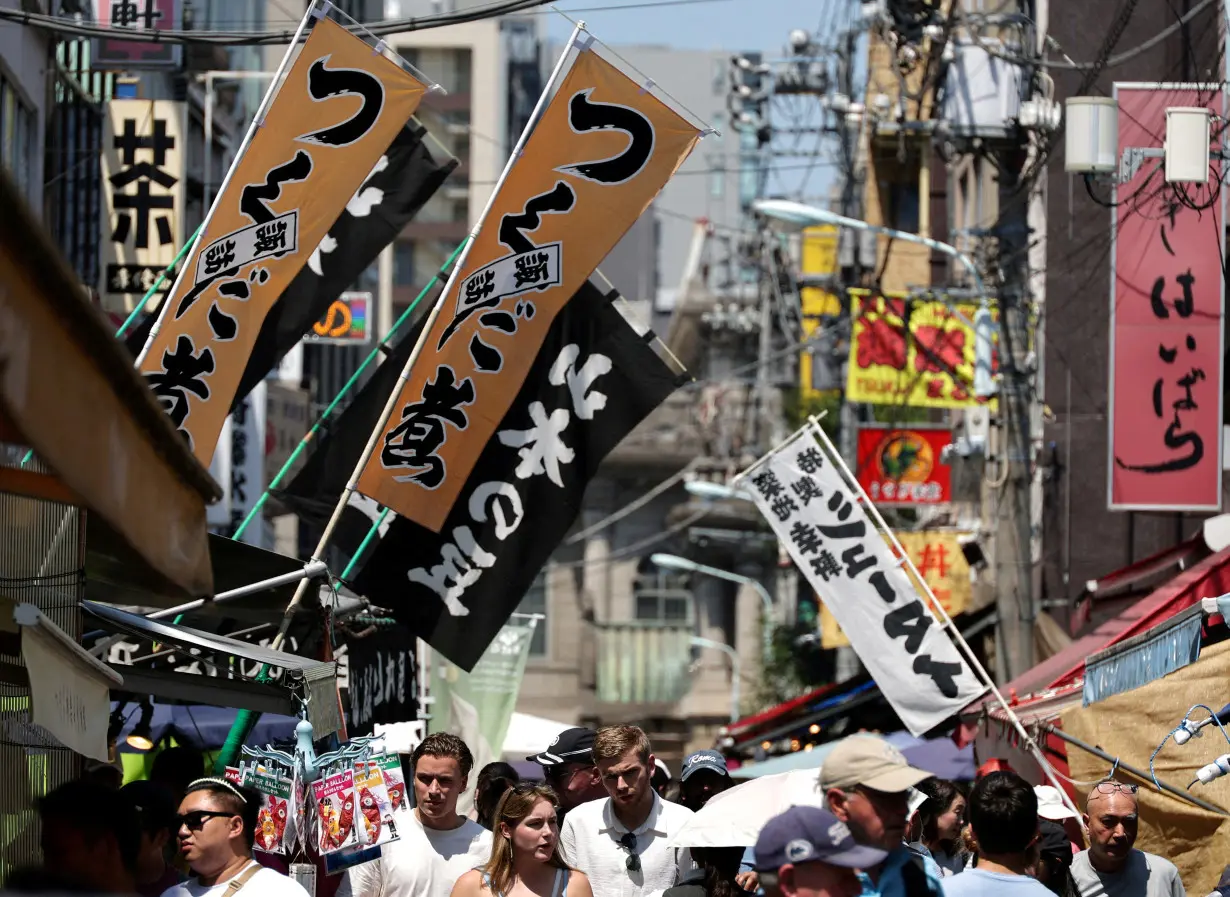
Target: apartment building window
[[663, 597], [17, 133], [535, 602]]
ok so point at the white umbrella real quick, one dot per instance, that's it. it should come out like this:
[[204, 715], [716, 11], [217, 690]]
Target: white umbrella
[[735, 817]]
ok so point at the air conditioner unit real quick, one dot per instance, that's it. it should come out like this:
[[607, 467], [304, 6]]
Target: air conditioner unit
[[982, 92]]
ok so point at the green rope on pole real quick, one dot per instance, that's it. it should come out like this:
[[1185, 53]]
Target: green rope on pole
[[371, 534], [246, 720], [136, 310]]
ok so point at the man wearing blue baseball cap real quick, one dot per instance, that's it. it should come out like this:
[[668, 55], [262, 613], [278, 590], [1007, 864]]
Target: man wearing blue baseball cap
[[809, 852], [704, 775]]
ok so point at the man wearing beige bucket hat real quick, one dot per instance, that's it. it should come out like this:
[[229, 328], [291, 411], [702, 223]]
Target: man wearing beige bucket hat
[[866, 783]]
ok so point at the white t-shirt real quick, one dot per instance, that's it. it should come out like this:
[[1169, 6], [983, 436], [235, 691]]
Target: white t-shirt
[[265, 883], [589, 841], [423, 862]]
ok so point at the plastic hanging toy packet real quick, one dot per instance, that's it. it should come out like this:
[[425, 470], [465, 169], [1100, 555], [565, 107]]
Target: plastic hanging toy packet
[[272, 821], [374, 804], [335, 808], [394, 779]]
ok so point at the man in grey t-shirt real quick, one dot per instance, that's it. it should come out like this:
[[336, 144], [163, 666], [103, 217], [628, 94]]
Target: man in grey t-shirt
[[1112, 867]]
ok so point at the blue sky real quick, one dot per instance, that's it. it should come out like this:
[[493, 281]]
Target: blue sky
[[760, 25]]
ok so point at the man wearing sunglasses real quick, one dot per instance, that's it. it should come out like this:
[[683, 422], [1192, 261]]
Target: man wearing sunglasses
[[1112, 866], [217, 827], [866, 783], [568, 767]]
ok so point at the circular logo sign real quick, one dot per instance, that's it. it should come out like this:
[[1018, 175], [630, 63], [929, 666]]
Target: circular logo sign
[[905, 457]]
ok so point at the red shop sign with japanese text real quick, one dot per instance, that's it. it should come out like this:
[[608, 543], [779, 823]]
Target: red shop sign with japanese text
[[1167, 306], [902, 467]]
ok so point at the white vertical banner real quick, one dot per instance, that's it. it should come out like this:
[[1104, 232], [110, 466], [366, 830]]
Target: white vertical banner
[[247, 474], [817, 515], [218, 515]]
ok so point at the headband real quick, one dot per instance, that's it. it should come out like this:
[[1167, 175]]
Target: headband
[[220, 783]]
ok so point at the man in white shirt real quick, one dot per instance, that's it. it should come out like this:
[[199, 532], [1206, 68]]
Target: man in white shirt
[[437, 845], [621, 842], [217, 828]]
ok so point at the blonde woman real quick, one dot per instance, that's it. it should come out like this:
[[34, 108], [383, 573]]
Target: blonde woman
[[525, 859]]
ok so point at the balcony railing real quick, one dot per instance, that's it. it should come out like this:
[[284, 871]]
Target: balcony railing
[[643, 662]]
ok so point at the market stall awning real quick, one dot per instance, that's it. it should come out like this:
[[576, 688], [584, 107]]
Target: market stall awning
[[111, 577], [69, 391], [1210, 576], [302, 678]]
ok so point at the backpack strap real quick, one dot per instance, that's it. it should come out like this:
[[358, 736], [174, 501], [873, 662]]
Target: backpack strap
[[236, 883]]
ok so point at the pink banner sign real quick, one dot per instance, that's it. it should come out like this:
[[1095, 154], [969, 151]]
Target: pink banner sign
[[137, 15], [1167, 305]]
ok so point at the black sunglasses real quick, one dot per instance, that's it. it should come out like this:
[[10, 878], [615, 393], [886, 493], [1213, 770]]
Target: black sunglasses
[[628, 842], [196, 820]]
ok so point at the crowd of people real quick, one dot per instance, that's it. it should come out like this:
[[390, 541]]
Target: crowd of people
[[601, 823]]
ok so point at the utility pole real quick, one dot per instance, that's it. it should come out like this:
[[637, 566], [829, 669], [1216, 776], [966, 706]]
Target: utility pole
[[1018, 413], [847, 662]]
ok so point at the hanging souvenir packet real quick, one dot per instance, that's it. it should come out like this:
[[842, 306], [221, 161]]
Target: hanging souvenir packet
[[394, 779], [374, 804], [233, 774], [274, 829], [335, 806]]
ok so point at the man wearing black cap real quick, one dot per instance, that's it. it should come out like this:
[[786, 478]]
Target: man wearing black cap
[[569, 768], [809, 852], [706, 775]]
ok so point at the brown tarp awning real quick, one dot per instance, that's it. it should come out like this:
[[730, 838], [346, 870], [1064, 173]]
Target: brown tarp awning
[[68, 390], [1130, 726]]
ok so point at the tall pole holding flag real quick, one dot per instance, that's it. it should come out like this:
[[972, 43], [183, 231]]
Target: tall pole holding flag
[[390, 406]]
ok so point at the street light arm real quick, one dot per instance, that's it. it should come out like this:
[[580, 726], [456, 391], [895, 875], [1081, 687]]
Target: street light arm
[[736, 669]]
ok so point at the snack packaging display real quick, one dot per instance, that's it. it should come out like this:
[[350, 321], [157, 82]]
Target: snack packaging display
[[335, 811], [233, 774], [394, 779], [374, 804], [275, 812]]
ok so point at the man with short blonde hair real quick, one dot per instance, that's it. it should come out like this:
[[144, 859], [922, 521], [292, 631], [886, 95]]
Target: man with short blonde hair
[[621, 842], [614, 741]]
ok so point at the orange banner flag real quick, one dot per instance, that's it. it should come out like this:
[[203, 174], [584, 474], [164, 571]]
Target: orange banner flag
[[604, 148], [338, 110]]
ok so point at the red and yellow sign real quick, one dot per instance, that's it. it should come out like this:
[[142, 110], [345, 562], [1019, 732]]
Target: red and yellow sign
[[604, 148], [939, 559], [902, 467], [930, 364], [338, 110]]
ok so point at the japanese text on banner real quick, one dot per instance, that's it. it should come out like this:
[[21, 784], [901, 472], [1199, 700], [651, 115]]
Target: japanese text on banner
[[804, 497], [929, 366], [1167, 331], [338, 110], [600, 154], [939, 559]]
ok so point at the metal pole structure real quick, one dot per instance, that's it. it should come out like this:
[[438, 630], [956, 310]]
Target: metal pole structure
[[736, 669], [391, 404], [946, 621], [257, 120]]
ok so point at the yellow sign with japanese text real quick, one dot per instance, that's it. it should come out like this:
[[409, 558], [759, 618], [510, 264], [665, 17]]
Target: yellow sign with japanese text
[[338, 110], [819, 258], [930, 364], [604, 148], [938, 557]]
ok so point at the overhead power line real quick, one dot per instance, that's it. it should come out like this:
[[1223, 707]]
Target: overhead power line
[[59, 25]]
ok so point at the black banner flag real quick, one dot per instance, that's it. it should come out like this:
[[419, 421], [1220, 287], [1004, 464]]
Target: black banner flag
[[592, 382]]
